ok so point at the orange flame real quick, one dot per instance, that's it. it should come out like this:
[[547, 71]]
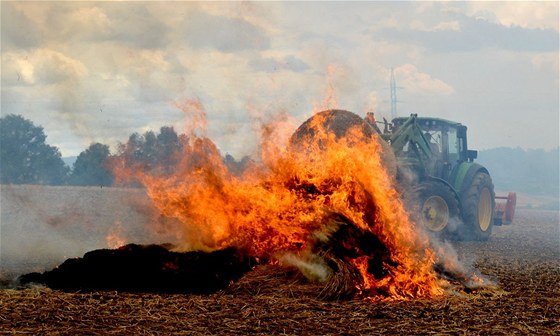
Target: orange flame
[[283, 202], [114, 236]]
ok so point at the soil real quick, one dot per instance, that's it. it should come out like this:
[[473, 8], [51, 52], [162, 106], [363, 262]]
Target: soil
[[523, 260]]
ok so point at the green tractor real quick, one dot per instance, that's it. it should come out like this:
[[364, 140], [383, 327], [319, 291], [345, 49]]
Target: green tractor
[[447, 192]]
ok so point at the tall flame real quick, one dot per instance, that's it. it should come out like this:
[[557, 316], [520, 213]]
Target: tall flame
[[292, 196]]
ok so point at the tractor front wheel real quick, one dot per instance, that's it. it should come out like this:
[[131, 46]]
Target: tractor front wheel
[[478, 208], [438, 207]]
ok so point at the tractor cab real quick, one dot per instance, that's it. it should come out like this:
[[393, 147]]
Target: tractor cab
[[442, 144]]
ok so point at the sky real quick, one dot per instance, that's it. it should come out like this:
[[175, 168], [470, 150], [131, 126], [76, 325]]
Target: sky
[[98, 71]]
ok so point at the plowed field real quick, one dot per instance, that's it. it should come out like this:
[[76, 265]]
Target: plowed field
[[523, 259]]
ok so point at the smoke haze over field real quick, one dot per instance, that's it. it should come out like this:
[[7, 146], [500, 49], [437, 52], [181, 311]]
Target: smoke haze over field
[[41, 226], [99, 71]]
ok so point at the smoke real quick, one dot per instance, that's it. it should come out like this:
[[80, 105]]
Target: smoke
[[452, 267], [41, 226], [310, 265], [448, 264], [196, 123]]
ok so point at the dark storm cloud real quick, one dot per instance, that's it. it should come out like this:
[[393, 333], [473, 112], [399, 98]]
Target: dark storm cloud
[[18, 31], [290, 63], [476, 34], [203, 31]]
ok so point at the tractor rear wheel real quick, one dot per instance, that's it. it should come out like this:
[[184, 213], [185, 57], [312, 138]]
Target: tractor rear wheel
[[438, 207], [478, 208]]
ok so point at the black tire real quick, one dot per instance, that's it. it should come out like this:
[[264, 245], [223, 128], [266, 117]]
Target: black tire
[[478, 208], [437, 207]]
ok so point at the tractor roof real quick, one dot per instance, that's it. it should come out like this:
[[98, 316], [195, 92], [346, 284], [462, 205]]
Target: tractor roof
[[426, 121]]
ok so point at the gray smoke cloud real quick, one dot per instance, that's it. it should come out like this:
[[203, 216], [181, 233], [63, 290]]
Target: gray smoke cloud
[[41, 226]]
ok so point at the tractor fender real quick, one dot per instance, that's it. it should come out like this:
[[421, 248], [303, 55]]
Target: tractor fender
[[462, 176], [429, 178]]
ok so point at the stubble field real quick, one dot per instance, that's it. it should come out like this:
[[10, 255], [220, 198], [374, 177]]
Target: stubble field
[[522, 259]]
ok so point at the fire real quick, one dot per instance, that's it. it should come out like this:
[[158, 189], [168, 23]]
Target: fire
[[114, 236], [330, 100], [298, 199]]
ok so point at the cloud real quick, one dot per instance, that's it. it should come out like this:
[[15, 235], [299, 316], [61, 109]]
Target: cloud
[[288, 63], [547, 62], [18, 30], [418, 82], [203, 31], [98, 71], [525, 14], [138, 28], [80, 23], [40, 66], [77, 24], [475, 34], [441, 26]]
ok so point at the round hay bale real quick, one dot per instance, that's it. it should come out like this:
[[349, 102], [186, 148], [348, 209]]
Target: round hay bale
[[339, 122]]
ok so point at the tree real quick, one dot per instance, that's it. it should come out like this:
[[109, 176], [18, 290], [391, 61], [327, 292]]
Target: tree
[[169, 145], [151, 152], [25, 158], [91, 167]]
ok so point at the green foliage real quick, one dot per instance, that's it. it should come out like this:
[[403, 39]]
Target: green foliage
[[533, 171], [91, 167], [25, 158], [151, 152]]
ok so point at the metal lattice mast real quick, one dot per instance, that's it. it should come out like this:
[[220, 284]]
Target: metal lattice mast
[[393, 87]]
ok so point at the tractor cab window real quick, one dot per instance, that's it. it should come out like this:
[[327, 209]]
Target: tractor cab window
[[434, 138], [453, 145]]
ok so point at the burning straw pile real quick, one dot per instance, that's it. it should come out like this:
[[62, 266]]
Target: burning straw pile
[[324, 205]]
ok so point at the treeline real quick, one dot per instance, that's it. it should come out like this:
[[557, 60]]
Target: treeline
[[533, 171], [26, 158]]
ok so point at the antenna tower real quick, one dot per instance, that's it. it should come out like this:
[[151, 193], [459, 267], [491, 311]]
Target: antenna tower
[[393, 87]]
